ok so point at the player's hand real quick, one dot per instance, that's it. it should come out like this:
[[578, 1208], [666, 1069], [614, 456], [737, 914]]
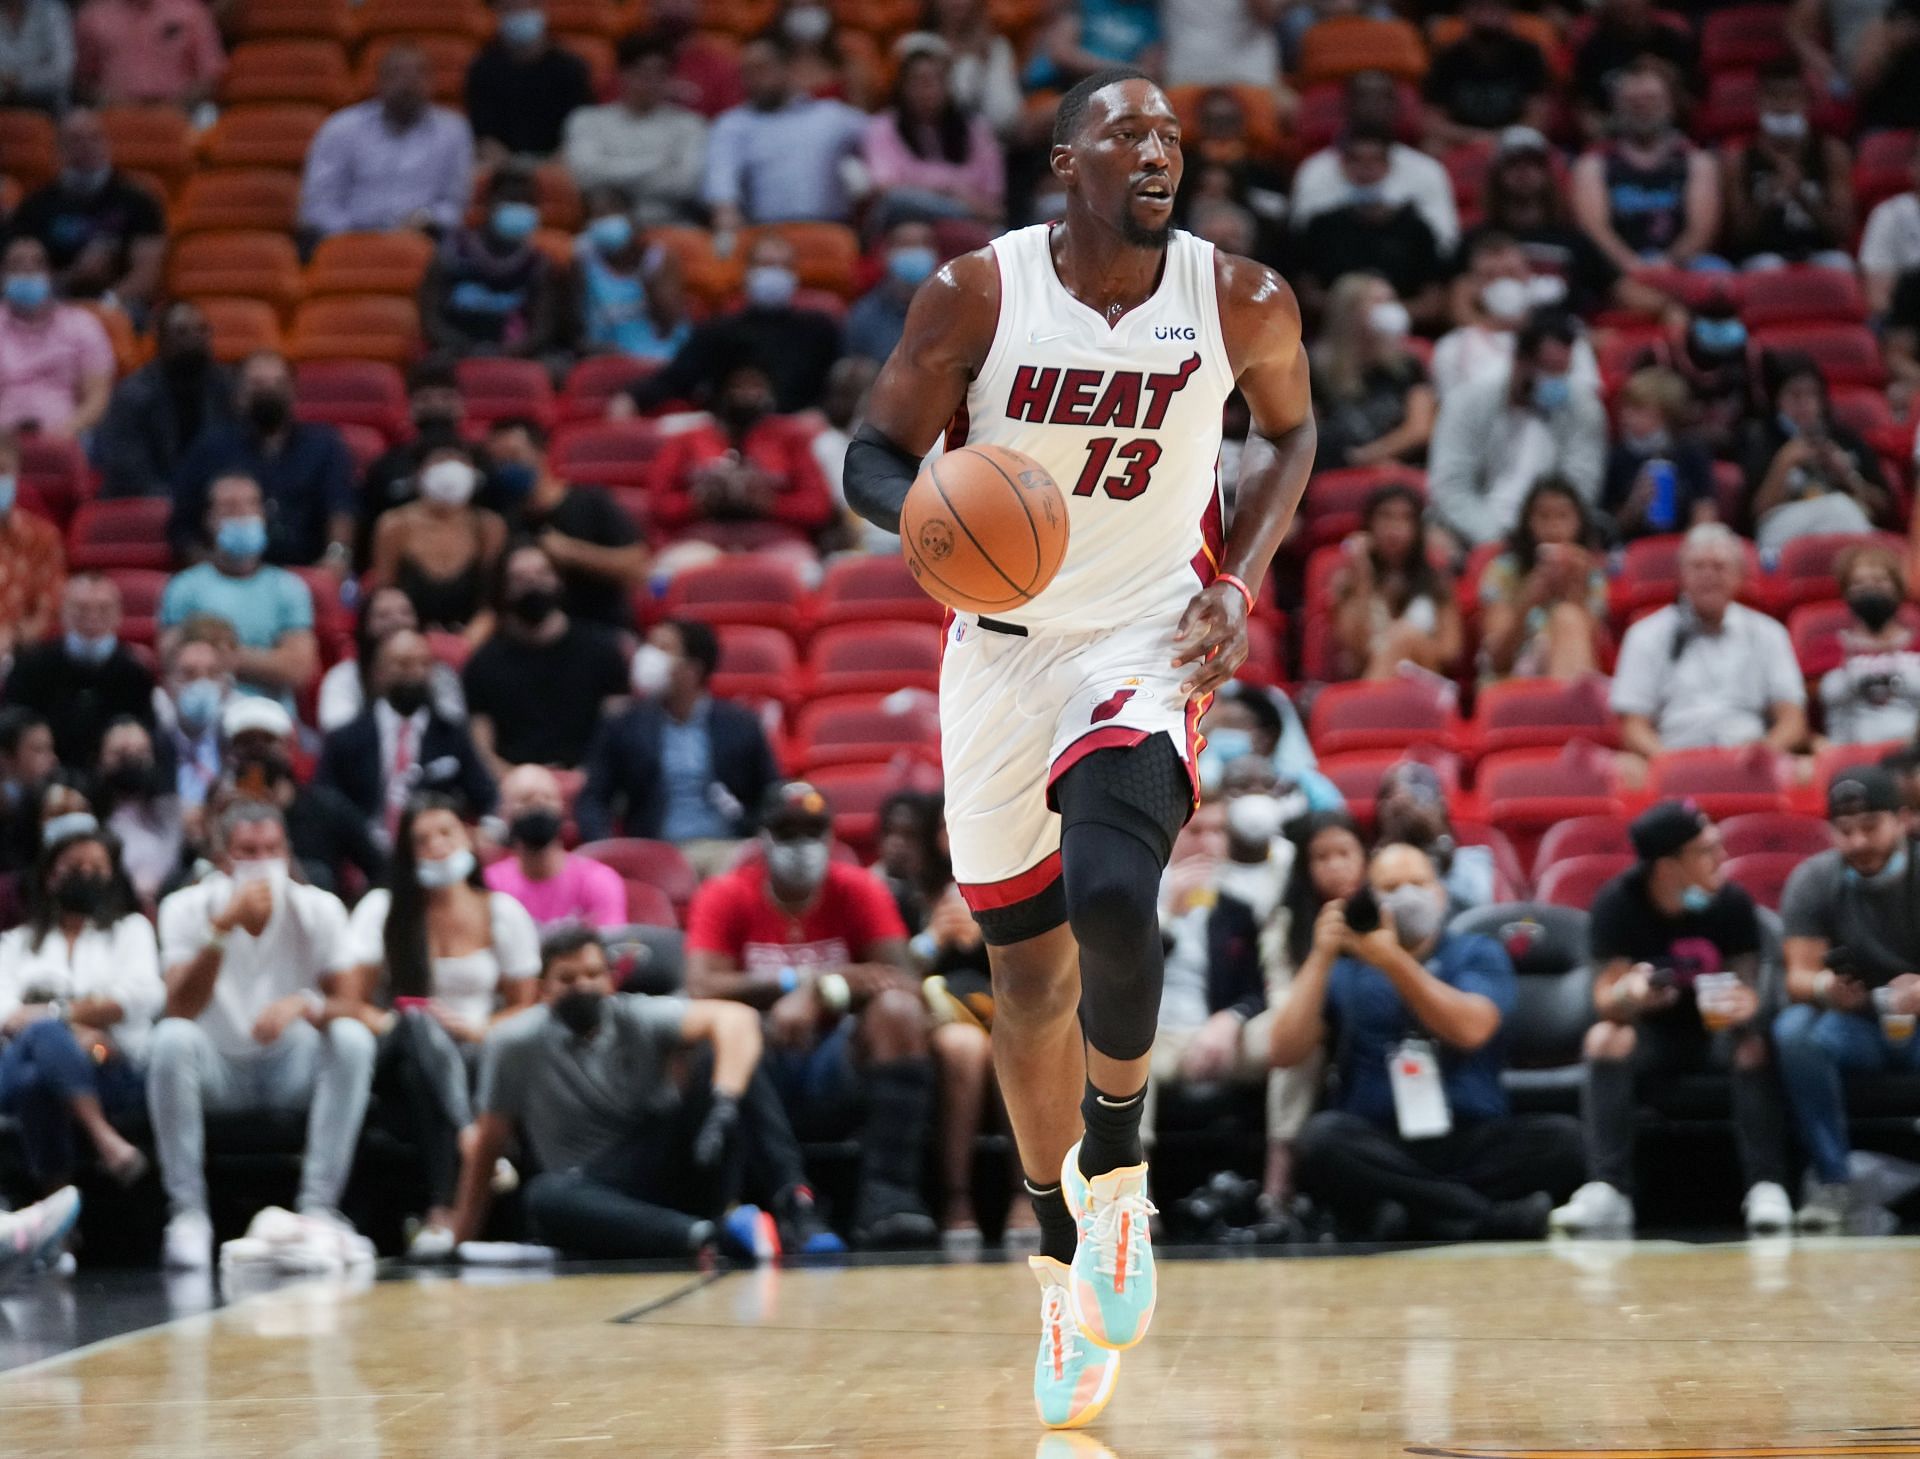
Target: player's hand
[[1212, 636]]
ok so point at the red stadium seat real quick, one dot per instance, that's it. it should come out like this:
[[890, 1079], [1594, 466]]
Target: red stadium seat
[[54, 470], [1777, 832], [140, 591], [613, 454], [648, 906], [1801, 296], [855, 794], [658, 864], [1582, 836], [1743, 38], [1511, 883], [1266, 663], [1731, 110], [1829, 761], [1323, 113], [364, 444], [1816, 630], [1576, 880], [756, 663], [1763, 874], [1517, 714], [874, 589], [745, 588], [1723, 782], [874, 658], [1649, 577], [1882, 168], [1336, 499], [1524, 792], [498, 388], [352, 392], [1389, 714], [126, 532], [1847, 354], [596, 380], [1357, 775], [1804, 571], [867, 729]]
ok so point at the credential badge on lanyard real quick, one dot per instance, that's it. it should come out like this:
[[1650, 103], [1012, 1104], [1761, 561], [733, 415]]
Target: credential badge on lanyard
[[1419, 1097]]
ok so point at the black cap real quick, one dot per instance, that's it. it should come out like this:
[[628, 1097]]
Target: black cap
[[795, 809], [1662, 829], [1855, 792]]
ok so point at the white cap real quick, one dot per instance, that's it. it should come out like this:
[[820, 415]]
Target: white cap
[[253, 713], [1522, 139]]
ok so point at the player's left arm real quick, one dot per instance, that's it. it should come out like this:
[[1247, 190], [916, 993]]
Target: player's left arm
[[1261, 322]]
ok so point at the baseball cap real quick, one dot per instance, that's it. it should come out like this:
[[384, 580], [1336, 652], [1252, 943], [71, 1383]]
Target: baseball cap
[[251, 712], [795, 809], [1855, 792], [1663, 829], [1522, 139]]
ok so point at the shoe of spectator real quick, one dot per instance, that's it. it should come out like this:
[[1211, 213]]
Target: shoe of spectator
[[1114, 1280], [429, 1243], [961, 1243], [1768, 1209], [1523, 1220], [1021, 1240], [188, 1245], [749, 1233], [1072, 1379], [1596, 1210], [1824, 1207], [802, 1231], [506, 1179], [892, 1219], [34, 1239]]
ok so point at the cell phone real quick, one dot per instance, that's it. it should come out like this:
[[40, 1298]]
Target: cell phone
[[1363, 911], [1661, 979], [404, 1004]]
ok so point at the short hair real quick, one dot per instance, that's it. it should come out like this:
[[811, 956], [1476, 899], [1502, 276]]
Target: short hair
[[1661, 389], [436, 372], [699, 643], [642, 45], [1258, 703], [1714, 537], [1782, 68], [515, 176], [1365, 134], [1549, 322], [240, 813], [503, 570], [535, 432], [209, 629], [564, 941], [16, 721], [1870, 554], [1072, 114], [1780, 368]]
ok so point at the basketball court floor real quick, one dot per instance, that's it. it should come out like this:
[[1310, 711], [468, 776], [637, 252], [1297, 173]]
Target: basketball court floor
[[1659, 1349]]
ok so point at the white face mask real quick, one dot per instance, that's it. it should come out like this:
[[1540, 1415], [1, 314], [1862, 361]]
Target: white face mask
[[1783, 126], [449, 483], [448, 870], [271, 869], [1417, 912], [1254, 819], [1546, 289], [1505, 299], [1389, 319], [652, 669]]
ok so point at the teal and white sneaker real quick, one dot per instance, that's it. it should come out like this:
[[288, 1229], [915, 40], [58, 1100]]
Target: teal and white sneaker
[[1072, 1379], [1114, 1281]]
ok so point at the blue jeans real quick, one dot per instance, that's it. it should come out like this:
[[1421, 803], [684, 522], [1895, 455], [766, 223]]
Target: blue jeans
[[41, 1073], [1815, 1047]]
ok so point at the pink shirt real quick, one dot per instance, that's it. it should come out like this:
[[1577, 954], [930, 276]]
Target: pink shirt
[[585, 891], [163, 50], [45, 360], [979, 181]]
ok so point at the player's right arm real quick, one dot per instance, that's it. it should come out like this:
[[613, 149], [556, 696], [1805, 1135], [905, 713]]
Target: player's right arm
[[923, 384]]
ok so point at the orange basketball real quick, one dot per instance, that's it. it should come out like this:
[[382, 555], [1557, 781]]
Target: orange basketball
[[984, 529]]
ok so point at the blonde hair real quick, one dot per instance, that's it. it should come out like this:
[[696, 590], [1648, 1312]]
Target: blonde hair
[[1661, 389], [1339, 353]]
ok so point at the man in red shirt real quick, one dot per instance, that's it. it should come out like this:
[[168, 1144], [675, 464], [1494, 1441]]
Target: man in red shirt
[[820, 946]]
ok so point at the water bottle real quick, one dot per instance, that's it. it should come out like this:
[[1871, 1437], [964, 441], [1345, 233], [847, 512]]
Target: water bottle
[[1663, 510]]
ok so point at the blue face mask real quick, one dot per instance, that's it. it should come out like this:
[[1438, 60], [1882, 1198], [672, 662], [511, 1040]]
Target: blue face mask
[[241, 537], [197, 704], [1895, 870], [771, 287], [514, 479], [90, 650], [523, 27], [911, 266], [1720, 336], [28, 292], [9, 488], [514, 222], [1788, 426], [1223, 747], [1551, 392], [610, 234], [1696, 899]]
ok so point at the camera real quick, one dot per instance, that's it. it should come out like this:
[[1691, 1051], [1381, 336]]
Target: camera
[[1363, 911]]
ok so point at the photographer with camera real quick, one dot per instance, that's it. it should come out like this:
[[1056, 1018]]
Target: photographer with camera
[[1418, 1141], [1853, 972], [1677, 956]]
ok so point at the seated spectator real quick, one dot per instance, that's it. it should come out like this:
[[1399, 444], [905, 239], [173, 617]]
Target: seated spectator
[[258, 1018], [651, 152], [1807, 474], [745, 478], [1212, 44], [575, 1099], [678, 765], [603, 558], [326, 832], [1903, 765], [449, 959], [104, 233], [1883, 71], [1625, 34], [138, 805], [33, 566], [1891, 245], [1495, 437], [344, 688], [36, 53], [912, 860], [1707, 347], [823, 65], [490, 290], [630, 298], [1460, 1165], [1543, 602], [1248, 720], [798, 346], [554, 885], [1370, 231], [778, 157], [1790, 190], [437, 410], [1708, 670], [195, 686], [1488, 80], [1874, 692], [1373, 110], [1676, 953], [148, 51], [578, 666], [985, 77], [441, 550], [402, 743], [879, 317], [393, 162], [1410, 808], [1852, 948], [1649, 196], [270, 609], [56, 363], [27, 765], [1491, 301], [79, 990], [1222, 168], [1080, 37], [522, 87], [1229, 227], [927, 157], [1394, 604], [86, 678], [1659, 476], [303, 469], [159, 410], [1370, 392], [819, 946]]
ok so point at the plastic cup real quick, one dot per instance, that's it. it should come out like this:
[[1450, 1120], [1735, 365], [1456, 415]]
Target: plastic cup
[[1714, 993], [1896, 1027]]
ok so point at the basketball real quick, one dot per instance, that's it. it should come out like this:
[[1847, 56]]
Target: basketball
[[984, 529]]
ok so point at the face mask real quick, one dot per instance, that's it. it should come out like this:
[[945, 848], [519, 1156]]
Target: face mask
[[450, 483], [129, 778], [1504, 298], [1223, 747], [448, 870], [1367, 195], [533, 606], [408, 697], [1873, 607], [513, 222], [515, 479], [610, 234], [770, 286], [1695, 899], [911, 266], [28, 292], [268, 411], [84, 182], [797, 866], [1417, 912], [9, 488], [1546, 289], [807, 24], [241, 537], [1389, 319], [73, 823], [579, 1010], [652, 671], [80, 893], [197, 703], [1788, 126], [1254, 820], [1895, 870], [269, 869], [536, 829], [90, 650], [1719, 336], [1551, 392], [523, 28]]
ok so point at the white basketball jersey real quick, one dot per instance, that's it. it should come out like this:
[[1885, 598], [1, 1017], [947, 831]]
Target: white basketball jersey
[[1127, 419]]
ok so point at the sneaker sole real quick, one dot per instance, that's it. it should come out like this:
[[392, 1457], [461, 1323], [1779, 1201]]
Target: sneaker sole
[[1093, 1411]]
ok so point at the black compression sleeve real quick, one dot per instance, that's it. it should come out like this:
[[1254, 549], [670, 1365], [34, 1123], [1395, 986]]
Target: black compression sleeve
[[876, 477]]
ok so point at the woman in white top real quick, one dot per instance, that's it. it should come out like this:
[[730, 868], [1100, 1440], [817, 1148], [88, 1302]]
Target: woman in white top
[[80, 987], [450, 958]]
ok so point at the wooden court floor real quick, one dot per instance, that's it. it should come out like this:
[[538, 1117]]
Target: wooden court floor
[[1652, 1350]]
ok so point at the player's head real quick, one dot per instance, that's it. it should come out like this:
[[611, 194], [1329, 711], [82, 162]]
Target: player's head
[[1116, 148]]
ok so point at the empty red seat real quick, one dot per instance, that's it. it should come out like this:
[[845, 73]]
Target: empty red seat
[[1804, 295], [867, 729], [1358, 773], [658, 864], [1743, 38], [756, 663], [1520, 713], [873, 589], [1582, 836], [596, 380], [874, 658], [1385, 714], [1574, 881], [497, 388], [1775, 831], [1816, 630], [855, 794], [1882, 168], [1763, 874], [53, 470], [1524, 792], [352, 392], [1804, 571], [140, 590], [748, 588], [1723, 782], [1847, 354], [612, 454], [648, 906], [1510, 880], [125, 532]]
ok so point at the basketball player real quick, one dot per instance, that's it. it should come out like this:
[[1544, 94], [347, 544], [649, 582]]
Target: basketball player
[[1105, 347]]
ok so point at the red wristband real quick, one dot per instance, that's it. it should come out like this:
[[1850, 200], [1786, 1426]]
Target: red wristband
[[1245, 591]]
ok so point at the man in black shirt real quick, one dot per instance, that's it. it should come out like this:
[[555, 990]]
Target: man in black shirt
[[1487, 80], [522, 87], [103, 233], [85, 679], [1676, 956], [161, 408], [1371, 234], [602, 556]]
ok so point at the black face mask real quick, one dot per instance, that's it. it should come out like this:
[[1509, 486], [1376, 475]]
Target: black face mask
[[269, 411], [129, 778], [533, 606], [408, 697], [1873, 608], [188, 363], [80, 893], [579, 1009], [536, 829]]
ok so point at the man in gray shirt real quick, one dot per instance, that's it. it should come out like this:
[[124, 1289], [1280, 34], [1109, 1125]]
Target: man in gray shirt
[[633, 1162], [1852, 920]]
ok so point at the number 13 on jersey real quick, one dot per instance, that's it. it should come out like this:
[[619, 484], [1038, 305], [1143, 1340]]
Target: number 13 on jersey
[[1136, 459]]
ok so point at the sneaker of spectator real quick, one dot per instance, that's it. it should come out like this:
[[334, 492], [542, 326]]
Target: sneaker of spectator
[[1488, 80], [1891, 245], [32, 1238], [137, 803], [1790, 195], [1373, 109], [1873, 694], [1374, 402], [552, 883], [162, 408], [1807, 474], [1369, 230], [195, 685], [344, 688], [631, 298], [1394, 603], [1708, 670], [145, 52], [32, 562], [985, 76], [1410, 808], [926, 158], [779, 157], [27, 766], [104, 233], [1543, 601], [36, 60], [396, 161], [1659, 475], [85, 678], [1649, 196], [1625, 33], [1081, 37], [442, 550], [1491, 301], [59, 371], [521, 87], [326, 832], [643, 146], [490, 290], [879, 317]]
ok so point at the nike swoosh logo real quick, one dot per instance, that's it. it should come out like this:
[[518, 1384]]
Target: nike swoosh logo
[[1033, 338]]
